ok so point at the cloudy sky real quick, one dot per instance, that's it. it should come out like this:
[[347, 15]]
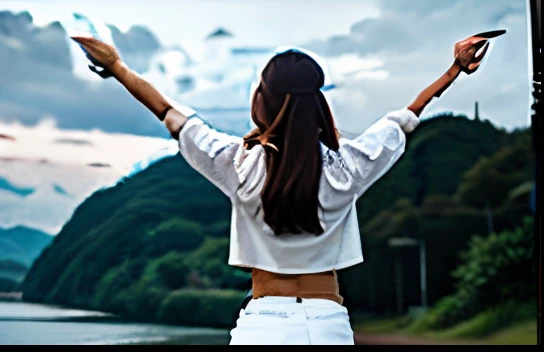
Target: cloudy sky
[[410, 42], [188, 22], [381, 53], [46, 172]]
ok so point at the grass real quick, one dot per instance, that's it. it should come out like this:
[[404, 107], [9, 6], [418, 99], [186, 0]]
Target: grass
[[521, 333], [382, 326]]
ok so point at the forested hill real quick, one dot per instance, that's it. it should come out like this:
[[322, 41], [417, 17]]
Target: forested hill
[[438, 152], [166, 228]]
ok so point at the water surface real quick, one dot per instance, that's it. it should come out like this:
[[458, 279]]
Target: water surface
[[33, 324]]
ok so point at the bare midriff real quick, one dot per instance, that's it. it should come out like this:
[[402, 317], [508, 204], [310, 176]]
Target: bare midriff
[[316, 285]]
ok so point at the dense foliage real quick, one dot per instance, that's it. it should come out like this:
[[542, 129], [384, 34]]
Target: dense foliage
[[425, 196], [128, 247], [155, 246], [496, 274]]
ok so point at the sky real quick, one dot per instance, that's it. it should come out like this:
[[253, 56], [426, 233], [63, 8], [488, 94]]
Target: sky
[[48, 171], [411, 42], [381, 54], [188, 22]]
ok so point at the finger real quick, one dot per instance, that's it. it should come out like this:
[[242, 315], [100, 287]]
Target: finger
[[80, 39], [86, 41], [469, 41], [474, 40], [473, 67], [467, 54]]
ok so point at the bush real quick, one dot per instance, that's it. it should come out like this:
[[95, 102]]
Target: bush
[[171, 270], [447, 312], [216, 308], [116, 280], [495, 269], [174, 234], [142, 300], [498, 268], [494, 319]]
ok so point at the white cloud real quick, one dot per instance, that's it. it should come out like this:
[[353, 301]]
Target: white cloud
[[388, 53], [45, 209], [120, 151], [413, 41], [380, 54], [349, 64], [44, 156]]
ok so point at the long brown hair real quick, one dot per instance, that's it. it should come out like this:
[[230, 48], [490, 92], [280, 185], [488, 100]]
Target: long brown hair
[[292, 118]]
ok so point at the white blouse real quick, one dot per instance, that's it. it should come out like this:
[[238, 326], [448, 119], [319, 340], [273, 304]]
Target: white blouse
[[347, 174]]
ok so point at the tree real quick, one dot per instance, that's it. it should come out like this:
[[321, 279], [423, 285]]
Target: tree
[[174, 234], [489, 182], [172, 270]]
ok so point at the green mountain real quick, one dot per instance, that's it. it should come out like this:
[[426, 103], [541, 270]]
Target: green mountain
[[437, 154], [436, 193], [154, 233], [155, 246]]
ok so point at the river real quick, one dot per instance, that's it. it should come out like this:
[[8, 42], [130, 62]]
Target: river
[[35, 324]]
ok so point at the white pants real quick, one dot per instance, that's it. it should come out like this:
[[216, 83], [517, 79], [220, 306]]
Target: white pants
[[284, 321]]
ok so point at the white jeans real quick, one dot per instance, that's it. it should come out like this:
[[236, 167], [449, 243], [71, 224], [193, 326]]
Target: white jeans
[[283, 321]]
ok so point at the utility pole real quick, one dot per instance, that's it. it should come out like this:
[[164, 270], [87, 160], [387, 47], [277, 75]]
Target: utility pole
[[399, 283], [409, 242], [423, 273]]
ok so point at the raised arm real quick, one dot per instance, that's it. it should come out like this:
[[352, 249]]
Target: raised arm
[[466, 61], [162, 107]]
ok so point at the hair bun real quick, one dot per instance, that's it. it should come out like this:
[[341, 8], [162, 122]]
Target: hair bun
[[293, 73]]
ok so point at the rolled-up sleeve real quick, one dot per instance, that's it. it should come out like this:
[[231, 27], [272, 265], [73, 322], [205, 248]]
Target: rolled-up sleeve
[[211, 153], [369, 156]]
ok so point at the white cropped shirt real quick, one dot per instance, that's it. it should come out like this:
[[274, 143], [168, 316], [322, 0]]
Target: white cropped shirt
[[347, 174]]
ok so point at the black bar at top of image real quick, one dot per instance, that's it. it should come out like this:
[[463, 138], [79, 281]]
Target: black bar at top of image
[[536, 126]]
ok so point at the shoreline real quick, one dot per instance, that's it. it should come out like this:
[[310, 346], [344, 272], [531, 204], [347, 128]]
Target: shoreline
[[56, 325], [65, 314]]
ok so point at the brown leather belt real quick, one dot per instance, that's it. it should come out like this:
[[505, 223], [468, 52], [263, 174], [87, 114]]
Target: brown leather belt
[[319, 285]]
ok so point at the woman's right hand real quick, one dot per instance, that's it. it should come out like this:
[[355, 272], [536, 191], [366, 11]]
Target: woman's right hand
[[105, 55], [465, 53]]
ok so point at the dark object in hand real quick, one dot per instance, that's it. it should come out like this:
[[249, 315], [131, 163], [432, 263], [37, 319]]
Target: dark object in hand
[[465, 51], [103, 72]]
